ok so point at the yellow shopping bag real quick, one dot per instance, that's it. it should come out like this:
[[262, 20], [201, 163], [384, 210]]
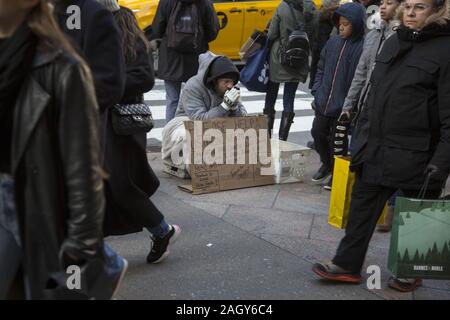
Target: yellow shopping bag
[[341, 192]]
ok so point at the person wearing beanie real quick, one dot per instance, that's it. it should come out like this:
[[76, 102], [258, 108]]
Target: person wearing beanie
[[212, 93], [111, 5]]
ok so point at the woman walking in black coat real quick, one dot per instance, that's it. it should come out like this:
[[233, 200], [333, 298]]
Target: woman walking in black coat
[[404, 131], [51, 190], [131, 180]]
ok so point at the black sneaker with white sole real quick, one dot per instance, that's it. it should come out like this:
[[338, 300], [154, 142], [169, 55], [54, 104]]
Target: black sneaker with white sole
[[321, 175], [161, 246]]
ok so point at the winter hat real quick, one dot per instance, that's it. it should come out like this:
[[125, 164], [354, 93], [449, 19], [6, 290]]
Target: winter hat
[[222, 67], [111, 5]]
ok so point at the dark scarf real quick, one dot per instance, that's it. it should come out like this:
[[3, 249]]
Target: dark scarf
[[16, 58]]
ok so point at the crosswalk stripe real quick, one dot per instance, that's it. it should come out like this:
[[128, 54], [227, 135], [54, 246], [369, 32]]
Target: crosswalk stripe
[[159, 93], [301, 124], [159, 112], [253, 102]]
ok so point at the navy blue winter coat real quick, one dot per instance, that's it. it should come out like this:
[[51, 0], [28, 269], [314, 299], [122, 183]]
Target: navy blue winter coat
[[338, 61]]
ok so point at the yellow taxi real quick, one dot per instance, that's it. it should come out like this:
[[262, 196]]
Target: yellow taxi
[[238, 19]]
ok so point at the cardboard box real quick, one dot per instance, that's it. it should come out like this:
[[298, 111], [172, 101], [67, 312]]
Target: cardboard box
[[239, 167], [290, 161], [178, 171]]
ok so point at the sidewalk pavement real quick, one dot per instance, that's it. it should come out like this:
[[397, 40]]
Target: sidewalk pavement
[[254, 243]]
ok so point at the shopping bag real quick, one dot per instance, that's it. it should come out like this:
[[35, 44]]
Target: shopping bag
[[341, 192], [255, 42], [255, 74], [420, 239]]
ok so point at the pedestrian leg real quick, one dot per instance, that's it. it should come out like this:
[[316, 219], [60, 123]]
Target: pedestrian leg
[[366, 206], [173, 89]]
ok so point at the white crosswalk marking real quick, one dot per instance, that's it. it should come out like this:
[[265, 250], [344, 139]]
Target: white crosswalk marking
[[253, 102]]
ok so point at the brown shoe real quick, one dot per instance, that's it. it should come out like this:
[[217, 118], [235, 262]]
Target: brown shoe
[[404, 285], [330, 271], [387, 226]]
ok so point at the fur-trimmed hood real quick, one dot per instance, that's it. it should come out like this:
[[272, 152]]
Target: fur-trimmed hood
[[441, 17]]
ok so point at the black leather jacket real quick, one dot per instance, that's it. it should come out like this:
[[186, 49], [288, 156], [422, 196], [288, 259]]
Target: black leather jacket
[[58, 184]]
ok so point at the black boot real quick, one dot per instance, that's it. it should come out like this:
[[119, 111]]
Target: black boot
[[270, 121], [285, 125]]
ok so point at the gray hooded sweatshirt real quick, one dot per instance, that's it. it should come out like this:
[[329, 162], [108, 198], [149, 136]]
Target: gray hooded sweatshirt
[[373, 43], [198, 101]]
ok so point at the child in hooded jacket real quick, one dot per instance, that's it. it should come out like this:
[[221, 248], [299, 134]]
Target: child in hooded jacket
[[338, 61]]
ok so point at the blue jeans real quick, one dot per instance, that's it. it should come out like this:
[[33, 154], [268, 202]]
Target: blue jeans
[[160, 230], [114, 262], [391, 201], [288, 96], [173, 89]]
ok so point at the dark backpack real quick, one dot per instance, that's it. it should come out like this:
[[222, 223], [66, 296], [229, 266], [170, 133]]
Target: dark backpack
[[185, 31], [295, 53]]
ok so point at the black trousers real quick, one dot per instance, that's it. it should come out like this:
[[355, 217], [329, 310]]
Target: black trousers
[[366, 206], [322, 131]]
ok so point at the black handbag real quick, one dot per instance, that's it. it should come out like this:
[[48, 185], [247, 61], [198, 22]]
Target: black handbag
[[129, 119]]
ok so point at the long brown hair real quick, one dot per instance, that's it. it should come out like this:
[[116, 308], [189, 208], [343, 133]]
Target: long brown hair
[[131, 33], [43, 25]]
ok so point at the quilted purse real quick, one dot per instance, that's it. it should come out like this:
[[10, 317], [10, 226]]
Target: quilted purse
[[128, 119]]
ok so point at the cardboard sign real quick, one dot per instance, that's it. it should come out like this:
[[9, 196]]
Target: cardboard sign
[[228, 153]]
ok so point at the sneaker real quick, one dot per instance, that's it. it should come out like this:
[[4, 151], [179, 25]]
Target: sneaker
[[330, 271], [328, 185], [160, 247], [123, 269], [321, 175], [404, 285]]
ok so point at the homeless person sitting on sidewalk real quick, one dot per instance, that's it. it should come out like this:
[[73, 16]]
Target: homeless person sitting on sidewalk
[[212, 93]]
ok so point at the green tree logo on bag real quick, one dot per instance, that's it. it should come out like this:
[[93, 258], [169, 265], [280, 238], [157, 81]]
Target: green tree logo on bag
[[420, 239]]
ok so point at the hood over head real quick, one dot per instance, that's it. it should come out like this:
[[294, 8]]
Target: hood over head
[[356, 14], [212, 67]]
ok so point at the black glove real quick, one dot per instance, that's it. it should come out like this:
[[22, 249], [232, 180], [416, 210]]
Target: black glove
[[313, 105]]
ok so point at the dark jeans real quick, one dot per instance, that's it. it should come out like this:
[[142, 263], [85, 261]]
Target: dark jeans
[[173, 90], [288, 96], [10, 250], [366, 206], [322, 132], [391, 201]]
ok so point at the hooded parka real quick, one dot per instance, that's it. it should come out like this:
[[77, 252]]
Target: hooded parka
[[406, 122]]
